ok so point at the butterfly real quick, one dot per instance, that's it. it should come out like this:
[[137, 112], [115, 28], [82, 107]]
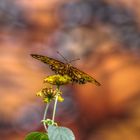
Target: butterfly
[[61, 68]]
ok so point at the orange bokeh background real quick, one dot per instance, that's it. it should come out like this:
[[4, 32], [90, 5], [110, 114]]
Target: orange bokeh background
[[104, 34]]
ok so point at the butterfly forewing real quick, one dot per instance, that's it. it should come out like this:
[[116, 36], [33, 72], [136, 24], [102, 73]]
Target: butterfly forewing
[[55, 65], [81, 77], [61, 68]]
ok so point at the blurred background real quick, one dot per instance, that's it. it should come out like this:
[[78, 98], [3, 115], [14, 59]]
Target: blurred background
[[104, 34]]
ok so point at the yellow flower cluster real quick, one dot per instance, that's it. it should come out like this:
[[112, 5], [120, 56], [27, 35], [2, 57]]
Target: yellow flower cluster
[[58, 79], [49, 94]]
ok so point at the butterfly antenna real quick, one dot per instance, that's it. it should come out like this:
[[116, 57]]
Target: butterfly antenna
[[62, 56], [74, 60]]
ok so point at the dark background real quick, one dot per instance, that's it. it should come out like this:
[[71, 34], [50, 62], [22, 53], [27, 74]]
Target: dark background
[[104, 34]]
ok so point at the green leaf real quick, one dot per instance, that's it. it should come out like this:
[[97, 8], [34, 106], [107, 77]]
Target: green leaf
[[60, 133], [37, 136]]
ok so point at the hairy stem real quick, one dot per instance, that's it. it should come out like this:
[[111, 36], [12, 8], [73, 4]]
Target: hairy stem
[[45, 114]]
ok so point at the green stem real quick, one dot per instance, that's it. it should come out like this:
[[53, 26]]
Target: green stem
[[55, 104], [45, 114]]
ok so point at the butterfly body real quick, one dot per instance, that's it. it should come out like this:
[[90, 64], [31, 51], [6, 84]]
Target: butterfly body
[[61, 68]]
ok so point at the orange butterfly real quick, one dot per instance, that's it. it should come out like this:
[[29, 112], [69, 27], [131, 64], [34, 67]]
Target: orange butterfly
[[61, 68]]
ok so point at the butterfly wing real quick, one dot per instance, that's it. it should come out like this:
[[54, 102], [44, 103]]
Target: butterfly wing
[[81, 77], [61, 68], [55, 65]]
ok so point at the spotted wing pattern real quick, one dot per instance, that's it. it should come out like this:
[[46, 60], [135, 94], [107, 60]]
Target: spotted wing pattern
[[61, 68], [55, 65], [81, 77]]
